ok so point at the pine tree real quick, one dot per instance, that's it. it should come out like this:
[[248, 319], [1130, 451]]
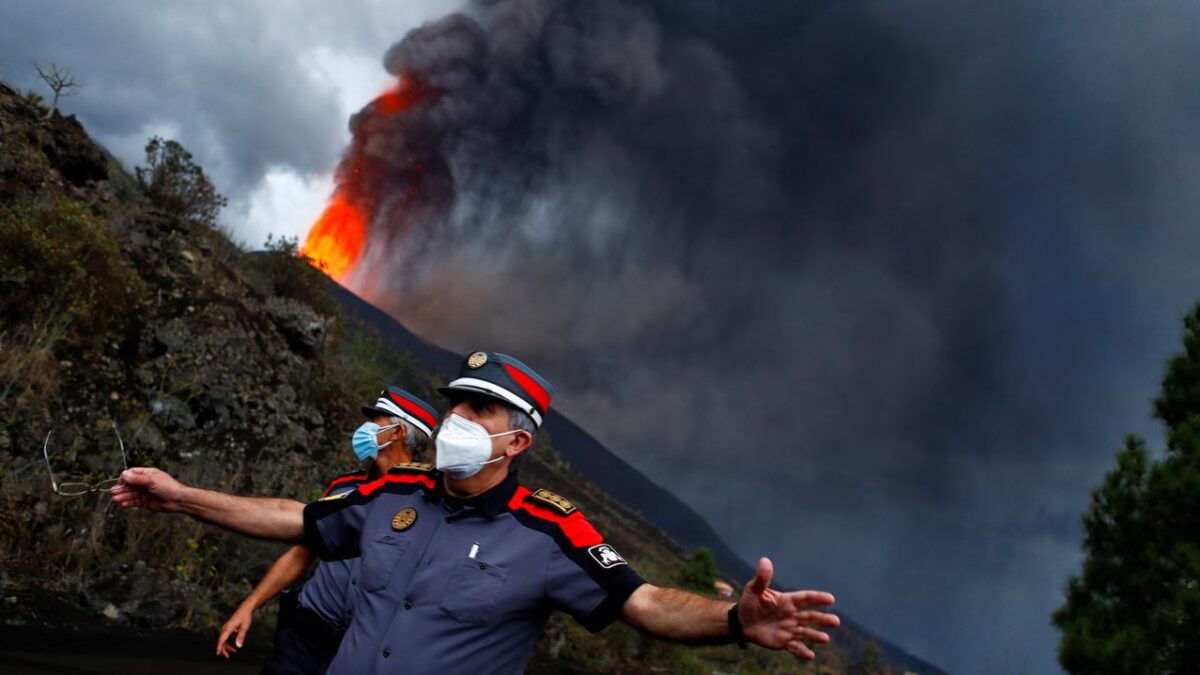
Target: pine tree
[[1136, 606]]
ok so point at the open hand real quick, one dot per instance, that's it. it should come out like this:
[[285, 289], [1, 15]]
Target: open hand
[[779, 620], [152, 489], [237, 625]]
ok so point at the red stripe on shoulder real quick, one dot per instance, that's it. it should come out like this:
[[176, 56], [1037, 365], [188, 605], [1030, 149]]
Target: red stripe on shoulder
[[518, 497], [341, 480], [367, 488], [574, 527]]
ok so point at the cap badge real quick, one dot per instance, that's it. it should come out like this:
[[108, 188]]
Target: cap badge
[[404, 519], [477, 360]]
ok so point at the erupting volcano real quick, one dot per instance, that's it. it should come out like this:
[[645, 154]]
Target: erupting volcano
[[335, 242]]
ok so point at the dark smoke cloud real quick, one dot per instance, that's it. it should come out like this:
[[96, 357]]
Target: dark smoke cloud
[[876, 287]]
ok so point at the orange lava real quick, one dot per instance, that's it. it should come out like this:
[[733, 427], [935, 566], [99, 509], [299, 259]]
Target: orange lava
[[336, 240]]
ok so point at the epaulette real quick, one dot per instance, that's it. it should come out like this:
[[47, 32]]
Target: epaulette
[[343, 478], [547, 498], [408, 467], [555, 515]]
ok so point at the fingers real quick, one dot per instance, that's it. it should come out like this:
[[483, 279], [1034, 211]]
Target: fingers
[[800, 649], [809, 617], [824, 619], [812, 635], [762, 578], [234, 628], [138, 475], [221, 641], [131, 499], [811, 598]]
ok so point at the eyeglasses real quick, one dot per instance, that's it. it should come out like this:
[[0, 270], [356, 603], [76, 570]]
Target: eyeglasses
[[76, 489]]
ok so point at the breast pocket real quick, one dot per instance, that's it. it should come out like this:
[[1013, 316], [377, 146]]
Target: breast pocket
[[379, 560], [473, 591]]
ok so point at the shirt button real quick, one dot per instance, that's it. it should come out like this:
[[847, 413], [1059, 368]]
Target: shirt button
[[483, 566], [387, 652], [407, 604]]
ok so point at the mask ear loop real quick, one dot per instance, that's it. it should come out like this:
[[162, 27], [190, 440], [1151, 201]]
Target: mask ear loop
[[390, 426], [502, 433]]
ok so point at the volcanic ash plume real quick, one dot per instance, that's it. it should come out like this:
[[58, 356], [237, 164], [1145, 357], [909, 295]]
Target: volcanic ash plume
[[522, 154], [775, 250]]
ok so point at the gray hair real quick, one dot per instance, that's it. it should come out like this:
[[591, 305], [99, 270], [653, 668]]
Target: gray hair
[[415, 440], [518, 419], [521, 420]]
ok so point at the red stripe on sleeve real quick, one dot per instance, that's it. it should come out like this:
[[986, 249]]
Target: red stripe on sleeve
[[530, 386], [580, 531]]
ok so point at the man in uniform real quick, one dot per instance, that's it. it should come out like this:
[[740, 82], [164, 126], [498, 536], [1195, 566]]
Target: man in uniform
[[312, 622], [461, 567]]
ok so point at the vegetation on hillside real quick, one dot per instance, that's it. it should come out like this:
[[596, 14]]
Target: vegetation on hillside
[[1135, 608]]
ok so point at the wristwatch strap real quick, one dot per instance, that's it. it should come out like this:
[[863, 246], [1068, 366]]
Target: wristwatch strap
[[735, 627]]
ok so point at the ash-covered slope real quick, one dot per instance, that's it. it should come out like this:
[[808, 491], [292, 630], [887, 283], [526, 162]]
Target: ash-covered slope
[[616, 477]]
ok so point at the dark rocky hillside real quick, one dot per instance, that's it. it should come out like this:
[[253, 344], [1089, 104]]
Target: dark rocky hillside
[[231, 370]]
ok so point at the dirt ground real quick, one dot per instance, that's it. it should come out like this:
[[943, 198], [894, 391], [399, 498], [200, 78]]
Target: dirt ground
[[41, 633]]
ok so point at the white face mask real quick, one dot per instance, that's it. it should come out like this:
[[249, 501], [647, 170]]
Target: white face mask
[[463, 446]]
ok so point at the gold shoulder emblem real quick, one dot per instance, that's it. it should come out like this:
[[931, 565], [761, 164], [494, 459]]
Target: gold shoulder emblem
[[404, 519], [415, 466], [561, 504], [477, 360], [340, 495]]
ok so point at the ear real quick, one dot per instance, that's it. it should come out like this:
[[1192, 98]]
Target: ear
[[518, 443]]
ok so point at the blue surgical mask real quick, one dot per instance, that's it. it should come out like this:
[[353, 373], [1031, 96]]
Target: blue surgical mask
[[364, 442]]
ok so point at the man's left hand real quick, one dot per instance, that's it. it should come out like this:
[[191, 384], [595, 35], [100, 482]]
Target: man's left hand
[[779, 620]]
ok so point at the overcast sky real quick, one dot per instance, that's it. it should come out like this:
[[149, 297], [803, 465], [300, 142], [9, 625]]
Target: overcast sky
[[876, 287]]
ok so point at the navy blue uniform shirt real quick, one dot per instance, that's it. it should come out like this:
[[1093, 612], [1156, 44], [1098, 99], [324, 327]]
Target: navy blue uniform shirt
[[328, 593], [455, 586]]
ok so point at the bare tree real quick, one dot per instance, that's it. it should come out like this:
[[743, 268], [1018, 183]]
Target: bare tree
[[61, 82]]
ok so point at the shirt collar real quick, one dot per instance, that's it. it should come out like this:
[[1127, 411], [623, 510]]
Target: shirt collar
[[491, 503]]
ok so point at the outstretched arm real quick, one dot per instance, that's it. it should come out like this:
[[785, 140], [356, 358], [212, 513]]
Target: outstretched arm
[[261, 517], [769, 618], [286, 570]]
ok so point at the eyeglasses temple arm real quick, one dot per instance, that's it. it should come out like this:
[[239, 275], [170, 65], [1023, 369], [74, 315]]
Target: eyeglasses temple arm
[[124, 461], [46, 454]]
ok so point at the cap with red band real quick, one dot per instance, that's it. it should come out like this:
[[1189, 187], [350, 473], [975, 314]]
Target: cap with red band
[[502, 377], [395, 402]]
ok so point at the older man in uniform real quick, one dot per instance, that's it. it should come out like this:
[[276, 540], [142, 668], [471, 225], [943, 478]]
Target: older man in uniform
[[311, 623], [461, 567]]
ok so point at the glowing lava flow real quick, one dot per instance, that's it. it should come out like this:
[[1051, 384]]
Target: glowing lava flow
[[335, 241]]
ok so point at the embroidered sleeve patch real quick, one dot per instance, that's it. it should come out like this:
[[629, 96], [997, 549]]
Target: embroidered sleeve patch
[[560, 504], [606, 556]]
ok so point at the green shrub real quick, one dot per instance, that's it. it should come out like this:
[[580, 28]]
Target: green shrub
[[698, 573], [61, 263], [177, 185], [294, 276]]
